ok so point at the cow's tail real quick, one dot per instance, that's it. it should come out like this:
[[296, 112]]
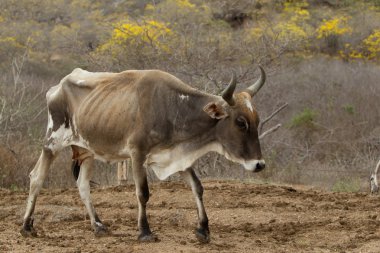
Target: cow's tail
[[373, 179], [75, 169]]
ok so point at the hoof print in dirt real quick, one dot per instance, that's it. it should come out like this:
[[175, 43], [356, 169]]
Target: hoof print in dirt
[[148, 238], [202, 235]]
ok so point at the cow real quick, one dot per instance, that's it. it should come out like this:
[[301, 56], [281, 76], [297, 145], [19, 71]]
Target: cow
[[373, 179], [154, 119]]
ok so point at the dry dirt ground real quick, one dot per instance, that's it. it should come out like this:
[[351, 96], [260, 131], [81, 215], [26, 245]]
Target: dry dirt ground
[[244, 217]]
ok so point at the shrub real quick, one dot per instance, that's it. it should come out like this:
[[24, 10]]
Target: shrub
[[294, 29], [331, 31], [349, 109], [372, 45], [305, 118]]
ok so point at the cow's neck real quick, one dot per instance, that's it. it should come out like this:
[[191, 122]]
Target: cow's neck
[[189, 119], [192, 137]]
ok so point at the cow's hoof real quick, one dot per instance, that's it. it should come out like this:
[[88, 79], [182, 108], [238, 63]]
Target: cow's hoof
[[28, 232], [148, 238], [101, 230], [202, 235]]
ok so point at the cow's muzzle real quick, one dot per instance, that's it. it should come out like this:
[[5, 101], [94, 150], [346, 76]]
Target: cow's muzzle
[[254, 165]]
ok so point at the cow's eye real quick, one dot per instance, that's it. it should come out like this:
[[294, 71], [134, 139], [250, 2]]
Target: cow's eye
[[242, 123]]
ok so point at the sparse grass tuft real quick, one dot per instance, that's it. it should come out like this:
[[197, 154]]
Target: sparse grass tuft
[[346, 185], [349, 109]]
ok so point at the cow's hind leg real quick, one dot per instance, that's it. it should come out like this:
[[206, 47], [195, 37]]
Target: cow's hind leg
[[142, 193], [202, 232], [37, 178], [83, 183]]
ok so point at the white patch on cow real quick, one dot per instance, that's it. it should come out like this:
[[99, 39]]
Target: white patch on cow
[[63, 137], [98, 224], [184, 97], [178, 158], [79, 82], [250, 165], [60, 138], [249, 105]]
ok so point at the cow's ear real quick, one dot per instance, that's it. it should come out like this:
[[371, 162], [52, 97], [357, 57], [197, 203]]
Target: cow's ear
[[215, 111]]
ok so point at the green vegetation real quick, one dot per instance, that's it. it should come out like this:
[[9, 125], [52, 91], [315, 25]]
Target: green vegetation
[[349, 109], [346, 185], [305, 118]]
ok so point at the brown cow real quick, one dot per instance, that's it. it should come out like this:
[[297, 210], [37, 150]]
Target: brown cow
[[151, 117]]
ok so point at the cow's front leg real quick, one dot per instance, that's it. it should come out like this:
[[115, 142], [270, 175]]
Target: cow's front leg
[[83, 183], [142, 194], [202, 232]]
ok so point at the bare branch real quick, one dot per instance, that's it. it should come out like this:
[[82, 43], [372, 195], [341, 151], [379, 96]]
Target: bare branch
[[269, 131], [271, 116]]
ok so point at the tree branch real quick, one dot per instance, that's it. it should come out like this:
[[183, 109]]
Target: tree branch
[[269, 131], [271, 116]]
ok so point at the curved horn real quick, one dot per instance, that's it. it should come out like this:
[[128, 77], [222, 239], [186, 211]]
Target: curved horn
[[228, 93], [254, 88]]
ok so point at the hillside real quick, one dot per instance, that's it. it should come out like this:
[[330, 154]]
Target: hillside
[[322, 58]]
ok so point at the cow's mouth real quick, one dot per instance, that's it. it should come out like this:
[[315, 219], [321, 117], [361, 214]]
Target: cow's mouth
[[251, 165], [254, 165]]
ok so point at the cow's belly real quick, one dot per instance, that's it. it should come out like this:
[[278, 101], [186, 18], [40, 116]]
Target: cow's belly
[[107, 156], [64, 137], [166, 162]]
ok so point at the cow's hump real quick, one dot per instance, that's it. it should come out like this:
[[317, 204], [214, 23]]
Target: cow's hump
[[84, 78]]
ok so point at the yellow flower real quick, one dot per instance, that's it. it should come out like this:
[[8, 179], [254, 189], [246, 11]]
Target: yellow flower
[[372, 44], [151, 32], [184, 4], [335, 26]]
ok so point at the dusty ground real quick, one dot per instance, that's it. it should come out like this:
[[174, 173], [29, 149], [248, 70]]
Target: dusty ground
[[243, 218]]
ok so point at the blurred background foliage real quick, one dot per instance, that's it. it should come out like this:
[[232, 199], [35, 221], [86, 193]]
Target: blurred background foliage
[[322, 57]]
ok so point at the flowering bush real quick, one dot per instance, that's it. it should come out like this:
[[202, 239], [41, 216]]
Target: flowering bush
[[372, 45], [335, 26]]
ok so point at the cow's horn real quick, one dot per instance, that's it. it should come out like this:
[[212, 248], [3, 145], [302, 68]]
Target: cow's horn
[[254, 88], [228, 93]]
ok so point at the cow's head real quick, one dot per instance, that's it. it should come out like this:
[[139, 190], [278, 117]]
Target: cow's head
[[237, 125]]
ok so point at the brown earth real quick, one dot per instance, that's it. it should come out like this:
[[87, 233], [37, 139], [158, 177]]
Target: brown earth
[[244, 217]]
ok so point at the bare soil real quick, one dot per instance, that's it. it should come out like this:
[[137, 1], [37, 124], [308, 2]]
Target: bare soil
[[244, 217]]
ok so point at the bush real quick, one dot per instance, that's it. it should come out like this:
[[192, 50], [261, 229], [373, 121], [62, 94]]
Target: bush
[[305, 118]]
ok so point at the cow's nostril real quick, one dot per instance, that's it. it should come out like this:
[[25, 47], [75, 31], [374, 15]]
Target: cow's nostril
[[260, 166]]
